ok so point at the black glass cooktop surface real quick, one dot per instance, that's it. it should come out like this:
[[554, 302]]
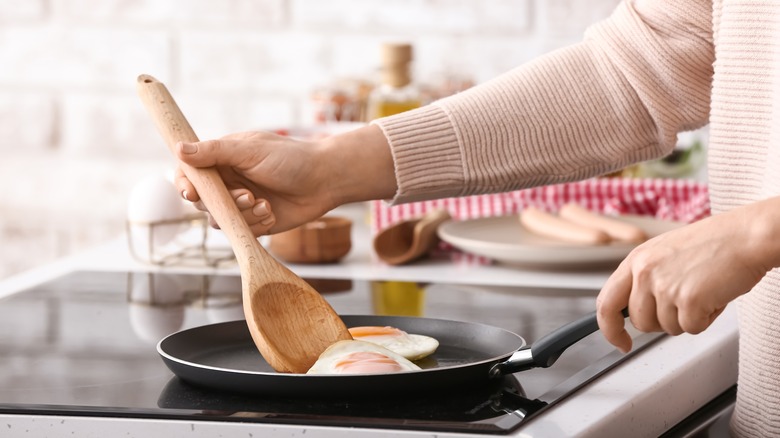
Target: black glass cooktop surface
[[84, 344]]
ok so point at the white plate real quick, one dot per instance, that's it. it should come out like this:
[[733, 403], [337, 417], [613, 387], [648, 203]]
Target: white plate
[[504, 239]]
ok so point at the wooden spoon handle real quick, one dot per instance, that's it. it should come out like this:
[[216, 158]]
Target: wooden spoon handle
[[173, 127]]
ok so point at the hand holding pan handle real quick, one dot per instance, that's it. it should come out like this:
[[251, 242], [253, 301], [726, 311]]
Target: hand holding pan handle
[[545, 351]]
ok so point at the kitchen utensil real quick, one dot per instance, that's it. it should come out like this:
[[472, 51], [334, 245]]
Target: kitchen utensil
[[325, 240], [290, 323], [221, 357], [409, 240], [504, 239]]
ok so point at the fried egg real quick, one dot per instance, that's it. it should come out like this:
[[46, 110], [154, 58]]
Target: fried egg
[[412, 347], [359, 357]]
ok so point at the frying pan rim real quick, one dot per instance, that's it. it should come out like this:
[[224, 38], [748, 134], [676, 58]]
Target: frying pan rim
[[190, 364]]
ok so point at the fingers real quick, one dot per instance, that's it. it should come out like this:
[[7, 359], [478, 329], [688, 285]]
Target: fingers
[[642, 306], [233, 152], [668, 320], [610, 303], [244, 199], [648, 312], [185, 187], [259, 217], [653, 306], [693, 321], [221, 152], [256, 213]]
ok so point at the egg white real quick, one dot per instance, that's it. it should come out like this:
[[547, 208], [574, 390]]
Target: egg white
[[410, 346], [326, 363]]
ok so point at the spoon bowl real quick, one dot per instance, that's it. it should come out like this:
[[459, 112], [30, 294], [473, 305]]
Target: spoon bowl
[[408, 240]]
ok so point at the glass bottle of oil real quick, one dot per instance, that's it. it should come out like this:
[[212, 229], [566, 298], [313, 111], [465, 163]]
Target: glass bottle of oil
[[396, 92], [398, 298]]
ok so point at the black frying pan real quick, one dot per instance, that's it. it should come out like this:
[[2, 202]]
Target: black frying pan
[[224, 357]]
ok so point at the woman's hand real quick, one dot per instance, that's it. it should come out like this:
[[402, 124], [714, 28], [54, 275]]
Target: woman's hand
[[680, 281], [279, 183]]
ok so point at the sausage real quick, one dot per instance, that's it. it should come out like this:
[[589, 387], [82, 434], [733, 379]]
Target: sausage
[[617, 229], [550, 225]]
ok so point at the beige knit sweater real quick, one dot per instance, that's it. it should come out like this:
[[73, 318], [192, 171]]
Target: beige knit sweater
[[654, 68]]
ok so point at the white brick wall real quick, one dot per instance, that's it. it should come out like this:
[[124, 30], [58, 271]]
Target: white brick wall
[[15, 11], [76, 139], [27, 121]]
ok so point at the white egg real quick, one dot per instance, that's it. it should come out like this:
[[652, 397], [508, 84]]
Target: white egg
[[154, 199], [358, 357], [410, 346]]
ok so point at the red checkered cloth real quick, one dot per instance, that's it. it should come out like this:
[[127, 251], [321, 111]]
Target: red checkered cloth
[[670, 199], [679, 200]]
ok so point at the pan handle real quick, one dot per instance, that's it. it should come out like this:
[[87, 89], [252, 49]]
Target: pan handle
[[545, 351]]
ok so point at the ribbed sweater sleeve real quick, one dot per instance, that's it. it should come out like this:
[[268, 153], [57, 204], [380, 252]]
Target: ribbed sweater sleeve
[[618, 97]]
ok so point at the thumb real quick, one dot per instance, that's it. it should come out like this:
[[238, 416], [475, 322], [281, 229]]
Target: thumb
[[222, 152]]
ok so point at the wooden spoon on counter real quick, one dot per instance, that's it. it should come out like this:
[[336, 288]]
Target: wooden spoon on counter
[[290, 322], [408, 240]]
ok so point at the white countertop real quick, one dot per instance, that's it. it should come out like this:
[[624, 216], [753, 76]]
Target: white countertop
[[643, 396]]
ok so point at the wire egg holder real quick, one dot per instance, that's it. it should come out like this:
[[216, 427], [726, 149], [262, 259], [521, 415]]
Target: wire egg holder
[[177, 252]]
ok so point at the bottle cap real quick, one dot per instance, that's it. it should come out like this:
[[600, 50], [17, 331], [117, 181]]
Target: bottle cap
[[395, 54]]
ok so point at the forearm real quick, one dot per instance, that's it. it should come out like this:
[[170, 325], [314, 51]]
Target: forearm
[[360, 166], [760, 223], [619, 97]]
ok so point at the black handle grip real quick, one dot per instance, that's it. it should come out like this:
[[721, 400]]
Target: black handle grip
[[545, 351], [548, 349]]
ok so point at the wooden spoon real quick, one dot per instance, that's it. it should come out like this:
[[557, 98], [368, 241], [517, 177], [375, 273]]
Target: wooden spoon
[[409, 240], [290, 322]]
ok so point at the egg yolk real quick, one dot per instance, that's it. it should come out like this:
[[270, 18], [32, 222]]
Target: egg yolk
[[358, 332], [365, 362]]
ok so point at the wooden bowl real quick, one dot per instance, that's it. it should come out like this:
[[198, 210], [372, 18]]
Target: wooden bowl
[[325, 240]]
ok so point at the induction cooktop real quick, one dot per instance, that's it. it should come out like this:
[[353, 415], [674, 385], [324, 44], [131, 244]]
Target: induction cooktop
[[84, 344]]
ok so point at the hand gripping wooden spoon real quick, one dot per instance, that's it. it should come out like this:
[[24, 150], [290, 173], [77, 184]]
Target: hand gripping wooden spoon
[[290, 322]]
